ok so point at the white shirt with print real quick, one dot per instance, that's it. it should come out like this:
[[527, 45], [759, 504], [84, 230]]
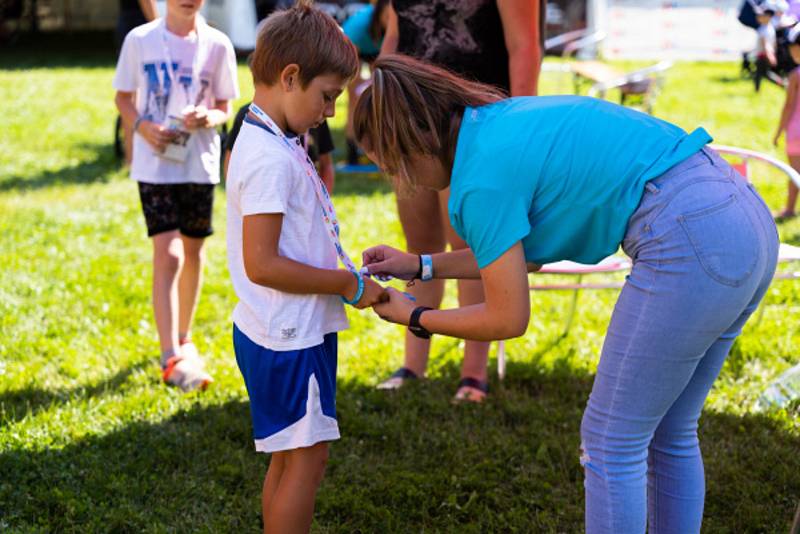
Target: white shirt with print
[[265, 177], [141, 68]]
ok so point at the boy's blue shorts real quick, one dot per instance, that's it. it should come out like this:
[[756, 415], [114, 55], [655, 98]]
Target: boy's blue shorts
[[292, 393]]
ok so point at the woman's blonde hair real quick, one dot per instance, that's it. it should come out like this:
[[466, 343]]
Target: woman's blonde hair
[[414, 108]]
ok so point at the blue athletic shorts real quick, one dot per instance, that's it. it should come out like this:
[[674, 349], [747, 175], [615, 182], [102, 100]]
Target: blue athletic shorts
[[292, 393]]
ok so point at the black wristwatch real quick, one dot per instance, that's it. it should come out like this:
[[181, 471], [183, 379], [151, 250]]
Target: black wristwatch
[[413, 323]]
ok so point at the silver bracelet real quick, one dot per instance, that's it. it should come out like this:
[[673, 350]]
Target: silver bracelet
[[137, 122]]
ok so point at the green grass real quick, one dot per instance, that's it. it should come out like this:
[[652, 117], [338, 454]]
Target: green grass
[[90, 440]]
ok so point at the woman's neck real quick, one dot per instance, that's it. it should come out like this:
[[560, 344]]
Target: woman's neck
[[181, 26]]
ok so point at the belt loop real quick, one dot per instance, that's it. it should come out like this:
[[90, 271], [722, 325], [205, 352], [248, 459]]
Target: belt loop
[[710, 154]]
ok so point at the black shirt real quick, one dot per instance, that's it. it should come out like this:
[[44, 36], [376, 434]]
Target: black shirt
[[320, 143], [465, 36]]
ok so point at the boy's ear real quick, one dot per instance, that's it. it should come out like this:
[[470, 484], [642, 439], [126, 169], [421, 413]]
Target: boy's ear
[[290, 77]]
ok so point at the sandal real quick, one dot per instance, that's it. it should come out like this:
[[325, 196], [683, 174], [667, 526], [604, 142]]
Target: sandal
[[397, 379], [471, 390]]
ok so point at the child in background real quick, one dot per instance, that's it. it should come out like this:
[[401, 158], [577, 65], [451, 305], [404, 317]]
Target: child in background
[[365, 28], [282, 256], [766, 42], [175, 79], [790, 123]]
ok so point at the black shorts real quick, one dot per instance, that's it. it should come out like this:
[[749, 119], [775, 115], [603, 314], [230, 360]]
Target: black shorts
[[184, 207]]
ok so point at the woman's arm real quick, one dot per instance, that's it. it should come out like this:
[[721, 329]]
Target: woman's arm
[[504, 314], [788, 107], [520, 20], [266, 267], [392, 35], [384, 260]]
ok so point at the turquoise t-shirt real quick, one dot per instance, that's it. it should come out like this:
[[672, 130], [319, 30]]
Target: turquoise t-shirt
[[562, 174], [356, 28]]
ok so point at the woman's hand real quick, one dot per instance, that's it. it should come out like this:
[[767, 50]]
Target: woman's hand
[[396, 308], [384, 261], [155, 134]]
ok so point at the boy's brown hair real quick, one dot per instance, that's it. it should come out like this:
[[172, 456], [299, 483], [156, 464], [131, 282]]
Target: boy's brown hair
[[414, 108], [307, 37]]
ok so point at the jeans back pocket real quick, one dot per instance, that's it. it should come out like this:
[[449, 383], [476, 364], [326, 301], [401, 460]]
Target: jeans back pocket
[[724, 240]]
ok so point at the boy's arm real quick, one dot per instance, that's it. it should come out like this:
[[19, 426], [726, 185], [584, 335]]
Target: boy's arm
[[266, 267]]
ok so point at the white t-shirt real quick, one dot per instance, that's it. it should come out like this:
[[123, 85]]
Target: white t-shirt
[[265, 177], [204, 70]]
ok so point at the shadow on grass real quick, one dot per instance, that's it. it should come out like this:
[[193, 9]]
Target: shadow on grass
[[97, 169], [18, 404], [408, 461], [59, 49]]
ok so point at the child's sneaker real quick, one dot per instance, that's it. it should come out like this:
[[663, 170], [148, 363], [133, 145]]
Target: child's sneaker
[[187, 371]]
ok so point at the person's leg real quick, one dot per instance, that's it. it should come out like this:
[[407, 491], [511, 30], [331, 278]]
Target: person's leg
[[791, 196], [292, 505], [189, 283], [195, 208], [674, 307], [476, 353], [168, 260], [271, 481], [422, 226], [675, 475]]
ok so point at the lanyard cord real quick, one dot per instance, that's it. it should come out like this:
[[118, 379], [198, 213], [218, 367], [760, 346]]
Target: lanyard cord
[[195, 61]]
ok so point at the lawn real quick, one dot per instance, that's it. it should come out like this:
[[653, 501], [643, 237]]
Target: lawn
[[91, 441]]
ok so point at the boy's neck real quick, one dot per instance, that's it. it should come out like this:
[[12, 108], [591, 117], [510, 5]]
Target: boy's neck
[[179, 25], [270, 102]]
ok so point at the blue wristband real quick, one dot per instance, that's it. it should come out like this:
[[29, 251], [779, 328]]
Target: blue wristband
[[359, 291], [427, 267]]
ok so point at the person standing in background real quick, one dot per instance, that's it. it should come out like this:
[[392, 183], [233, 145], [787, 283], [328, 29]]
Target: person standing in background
[[496, 42]]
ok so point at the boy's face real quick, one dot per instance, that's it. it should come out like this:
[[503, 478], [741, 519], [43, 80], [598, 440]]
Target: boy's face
[[184, 8], [307, 108]]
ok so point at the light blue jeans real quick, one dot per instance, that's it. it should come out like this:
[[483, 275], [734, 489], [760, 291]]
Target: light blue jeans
[[704, 249]]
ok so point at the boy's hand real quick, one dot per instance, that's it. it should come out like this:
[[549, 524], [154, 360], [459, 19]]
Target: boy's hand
[[155, 134], [196, 118], [373, 293], [387, 261]]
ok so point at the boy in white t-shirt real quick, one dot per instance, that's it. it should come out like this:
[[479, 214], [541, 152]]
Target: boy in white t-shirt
[[283, 260], [175, 79]]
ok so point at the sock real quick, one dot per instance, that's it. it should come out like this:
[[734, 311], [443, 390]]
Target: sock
[[166, 355]]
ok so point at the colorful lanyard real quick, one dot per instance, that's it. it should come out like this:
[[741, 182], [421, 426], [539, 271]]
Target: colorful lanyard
[[195, 62], [328, 213]]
